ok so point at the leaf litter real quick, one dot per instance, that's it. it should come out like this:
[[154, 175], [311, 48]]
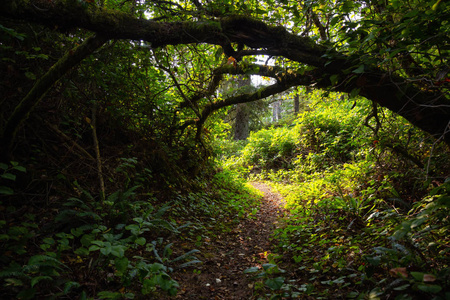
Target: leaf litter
[[221, 275]]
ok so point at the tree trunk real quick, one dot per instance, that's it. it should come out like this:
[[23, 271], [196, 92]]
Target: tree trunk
[[276, 111], [296, 104], [241, 128]]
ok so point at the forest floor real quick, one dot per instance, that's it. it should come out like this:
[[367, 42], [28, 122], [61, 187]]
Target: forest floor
[[221, 275]]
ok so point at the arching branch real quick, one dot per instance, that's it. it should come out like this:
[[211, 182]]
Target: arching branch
[[42, 86], [427, 109]]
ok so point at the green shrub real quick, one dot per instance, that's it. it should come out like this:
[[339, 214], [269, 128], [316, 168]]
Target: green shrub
[[271, 148]]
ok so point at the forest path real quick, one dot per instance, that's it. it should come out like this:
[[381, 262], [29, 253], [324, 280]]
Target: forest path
[[221, 276]]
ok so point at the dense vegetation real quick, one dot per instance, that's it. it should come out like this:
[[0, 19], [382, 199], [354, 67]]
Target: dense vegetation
[[366, 220], [118, 161]]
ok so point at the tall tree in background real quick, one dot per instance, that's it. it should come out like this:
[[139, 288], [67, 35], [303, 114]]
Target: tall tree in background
[[296, 104], [241, 123], [276, 110]]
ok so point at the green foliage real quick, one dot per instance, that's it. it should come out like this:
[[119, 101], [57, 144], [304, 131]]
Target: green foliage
[[347, 180], [355, 176], [418, 241], [93, 235], [8, 175], [269, 148], [318, 140], [38, 270], [224, 149]]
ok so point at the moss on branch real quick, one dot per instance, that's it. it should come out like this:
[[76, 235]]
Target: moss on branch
[[42, 86]]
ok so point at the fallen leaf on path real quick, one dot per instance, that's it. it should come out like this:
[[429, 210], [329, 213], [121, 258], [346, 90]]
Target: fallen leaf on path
[[429, 278], [399, 272]]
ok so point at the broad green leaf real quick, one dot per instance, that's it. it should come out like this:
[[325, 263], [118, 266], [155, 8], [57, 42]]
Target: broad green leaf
[[251, 270], [166, 283], [359, 70], [218, 54], [268, 266], [36, 280], [30, 75], [98, 243], [94, 248], [70, 284], [275, 283], [156, 267], [82, 251], [148, 286], [418, 275], [121, 264], [20, 169], [435, 6], [87, 239], [354, 93], [129, 296], [429, 288], [334, 79], [375, 261], [4, 190], [118, 250], [107, 248], [9, 176], [141, 241]]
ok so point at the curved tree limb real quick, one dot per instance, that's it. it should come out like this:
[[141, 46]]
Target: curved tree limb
[[244, 98], [42, 86], [285, 80], [427, 109]]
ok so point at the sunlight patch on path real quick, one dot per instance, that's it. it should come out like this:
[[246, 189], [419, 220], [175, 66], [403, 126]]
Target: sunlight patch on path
[[221, 276]]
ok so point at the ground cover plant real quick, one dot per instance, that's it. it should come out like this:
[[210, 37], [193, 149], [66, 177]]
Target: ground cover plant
[[354, 229], [127, 246], [138, 141]]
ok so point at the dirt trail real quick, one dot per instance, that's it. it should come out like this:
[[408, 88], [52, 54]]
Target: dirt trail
[[224, 259]]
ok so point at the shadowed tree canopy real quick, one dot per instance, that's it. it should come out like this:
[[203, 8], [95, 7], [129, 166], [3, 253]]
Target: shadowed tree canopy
[[393, 54]]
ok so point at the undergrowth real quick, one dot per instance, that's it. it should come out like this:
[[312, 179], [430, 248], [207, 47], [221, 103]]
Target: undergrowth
[[125, 247], [368, 206]]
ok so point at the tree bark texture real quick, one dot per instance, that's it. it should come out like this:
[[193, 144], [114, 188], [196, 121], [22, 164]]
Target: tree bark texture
[[241, 129], [242, 119]]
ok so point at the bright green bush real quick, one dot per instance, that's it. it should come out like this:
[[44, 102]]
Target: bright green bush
[[330, 133], [271, 148]]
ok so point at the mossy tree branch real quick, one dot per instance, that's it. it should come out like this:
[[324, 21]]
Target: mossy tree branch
[[42, 86], [285, 80], [427, 109]]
